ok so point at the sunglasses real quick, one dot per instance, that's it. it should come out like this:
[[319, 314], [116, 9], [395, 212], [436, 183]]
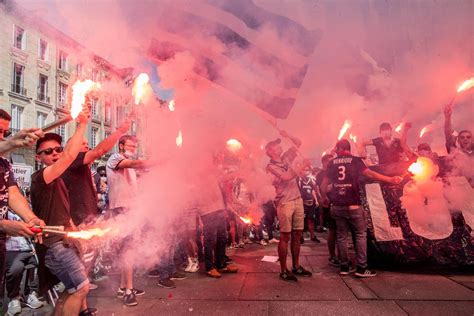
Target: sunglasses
[[464, 137], [49, 151], [5, 132]]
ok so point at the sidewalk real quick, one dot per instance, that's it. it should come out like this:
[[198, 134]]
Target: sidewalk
[[257, 290]]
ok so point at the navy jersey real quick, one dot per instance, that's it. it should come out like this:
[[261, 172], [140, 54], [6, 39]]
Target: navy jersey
[[387, 154], [344, 172]]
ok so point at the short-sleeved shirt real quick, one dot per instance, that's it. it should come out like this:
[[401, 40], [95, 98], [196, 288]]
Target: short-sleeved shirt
[[50, 202], [307, 185], [7, 180], [387, 154], [286, 190], [344, 173], [123, 186], [82, 194]]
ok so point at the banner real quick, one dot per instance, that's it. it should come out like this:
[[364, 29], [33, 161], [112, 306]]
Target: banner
[[397, 236], [22, 175]]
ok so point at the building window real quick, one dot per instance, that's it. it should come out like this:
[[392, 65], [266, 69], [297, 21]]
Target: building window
[[94, 108], [61, 130], [43, 89], [62, 62], [43, 50], [62, 95], [108, 113], [18, 79], [19, 39], [40, 119], [79, 69], [93, 135], [17, 118]]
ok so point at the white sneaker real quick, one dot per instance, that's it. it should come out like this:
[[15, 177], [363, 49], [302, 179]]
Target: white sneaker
[[32, 301], [195, 266], [263, 242], [273, 241], [189, 266], [14, 308], [59, 287]]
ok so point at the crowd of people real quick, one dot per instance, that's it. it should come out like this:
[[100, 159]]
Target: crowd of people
[[65, 192]]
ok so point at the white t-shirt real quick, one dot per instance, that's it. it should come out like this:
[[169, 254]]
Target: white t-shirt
[[123, 187]]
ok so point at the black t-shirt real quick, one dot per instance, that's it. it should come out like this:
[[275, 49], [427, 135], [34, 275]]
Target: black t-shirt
[[344, 172], [387, 154], [50, 202], [82, 194], [307, 185]]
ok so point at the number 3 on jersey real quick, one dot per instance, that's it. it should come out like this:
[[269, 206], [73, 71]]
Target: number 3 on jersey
[[342, 173]]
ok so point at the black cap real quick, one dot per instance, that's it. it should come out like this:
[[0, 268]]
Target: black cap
[[47, 137]]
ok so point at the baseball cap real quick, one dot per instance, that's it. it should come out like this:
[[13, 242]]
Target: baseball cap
[[272, 143], [48, 137]]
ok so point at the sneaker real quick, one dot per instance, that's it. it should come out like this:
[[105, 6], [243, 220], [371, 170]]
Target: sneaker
[[90, 311], [59, 287], [153, 274], [365, 273], [288, 276], [230, 268], [316, 239], [167, 283], [334, 261], [189, 265], [93, 286], [301, 272], [130, 299], [195, 266], [228, 260], [273, 241], [14, 308], [346, 269], [213, 273], [32, 301], [178, 276], [137, 292], [263, 242]]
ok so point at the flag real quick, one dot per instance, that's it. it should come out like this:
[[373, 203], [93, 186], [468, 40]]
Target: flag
[[255, 54]]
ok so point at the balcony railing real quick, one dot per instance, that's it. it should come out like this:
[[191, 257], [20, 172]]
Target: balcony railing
[[18, 89], [43, 97]]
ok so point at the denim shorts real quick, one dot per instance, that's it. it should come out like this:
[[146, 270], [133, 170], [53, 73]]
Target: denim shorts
[[66, 265]]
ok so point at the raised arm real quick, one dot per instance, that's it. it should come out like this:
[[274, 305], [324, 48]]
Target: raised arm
[[107, 144], [448, 129], [296, 141], [380, 177], [403, 141], [70, 153], [24, 138]]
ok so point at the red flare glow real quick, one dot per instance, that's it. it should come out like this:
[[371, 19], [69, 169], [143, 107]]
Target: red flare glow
[[399, 127], [179, 139], [79, 91], [466, 85], [139, 86], [233, 145], [171, 106], [88, 234], [345, 127], [246, 220]]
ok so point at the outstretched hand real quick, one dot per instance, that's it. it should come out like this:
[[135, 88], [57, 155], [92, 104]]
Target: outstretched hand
[[448, 110], [27, 137]]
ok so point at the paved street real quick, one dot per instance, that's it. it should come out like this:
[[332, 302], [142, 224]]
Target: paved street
[[257, 290]]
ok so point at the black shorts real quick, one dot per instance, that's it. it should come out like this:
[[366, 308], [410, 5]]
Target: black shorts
[[328, 221], [310, 211]]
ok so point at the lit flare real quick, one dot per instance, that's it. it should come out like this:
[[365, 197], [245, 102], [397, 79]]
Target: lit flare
[[88, 234], [345, 127], [79, 92], [423, 169], [171, 105], [353, 137], [233, 145], [399, 127], [246, 220], [139, 87], [179, 139], [468, 84], [425, 130]]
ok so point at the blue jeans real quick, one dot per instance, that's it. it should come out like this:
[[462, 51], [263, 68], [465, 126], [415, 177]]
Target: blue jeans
[[66, 265], [346, 220], [215, 239], [166, 267]]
